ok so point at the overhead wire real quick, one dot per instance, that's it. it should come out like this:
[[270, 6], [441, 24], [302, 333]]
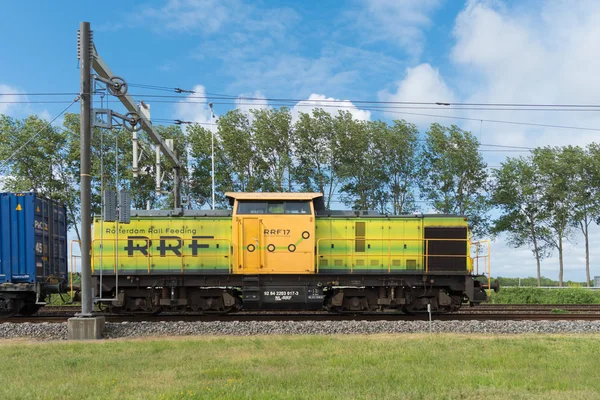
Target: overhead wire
[[190, 94], [333, 103]]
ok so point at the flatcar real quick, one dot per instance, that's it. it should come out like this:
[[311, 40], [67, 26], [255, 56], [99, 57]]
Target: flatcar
[[283, 251], [33, 252]]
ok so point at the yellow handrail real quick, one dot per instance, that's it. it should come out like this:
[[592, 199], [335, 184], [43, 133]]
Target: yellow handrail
[[426, 256], [486, 256], [72, 267], [389, 241]]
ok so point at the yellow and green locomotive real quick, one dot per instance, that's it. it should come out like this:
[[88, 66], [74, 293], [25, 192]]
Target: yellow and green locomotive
[[284, 251]]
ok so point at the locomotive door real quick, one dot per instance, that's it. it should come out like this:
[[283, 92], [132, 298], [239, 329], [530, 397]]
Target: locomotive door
[[251, 245]]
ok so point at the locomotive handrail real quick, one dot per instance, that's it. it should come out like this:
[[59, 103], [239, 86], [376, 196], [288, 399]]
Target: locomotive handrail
[[487, 258], [425, 253], [148, 257], [72, 264]]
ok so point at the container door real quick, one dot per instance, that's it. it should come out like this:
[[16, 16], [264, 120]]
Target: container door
[[251, 245], [17, 257]]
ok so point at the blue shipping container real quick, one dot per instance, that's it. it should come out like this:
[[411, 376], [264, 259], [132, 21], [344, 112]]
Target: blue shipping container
[[33, 239]]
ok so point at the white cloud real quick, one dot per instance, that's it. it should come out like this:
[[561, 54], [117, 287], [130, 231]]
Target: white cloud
[[253, 101], [540, 53], [536, 53], [401, 22], [422, 83], [189, 15], [193, 108], [213, 16], [9, 94], [329, 104]]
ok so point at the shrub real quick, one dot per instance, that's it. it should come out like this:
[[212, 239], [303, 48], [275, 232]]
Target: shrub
[[529, 295]]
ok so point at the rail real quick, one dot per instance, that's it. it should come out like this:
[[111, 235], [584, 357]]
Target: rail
[[186, 249], [419, 249], [552, 287]]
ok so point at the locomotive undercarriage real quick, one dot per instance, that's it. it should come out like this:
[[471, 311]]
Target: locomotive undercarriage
[[222, 294]]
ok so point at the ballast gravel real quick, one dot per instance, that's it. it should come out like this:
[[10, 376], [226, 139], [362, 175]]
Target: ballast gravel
[[58, 331]]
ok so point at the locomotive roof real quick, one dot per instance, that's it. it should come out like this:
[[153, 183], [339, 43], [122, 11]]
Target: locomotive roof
[[272, 196], [377, 214]]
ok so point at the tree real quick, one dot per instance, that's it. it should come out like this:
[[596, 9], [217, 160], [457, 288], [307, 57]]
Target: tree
[[239, 151], [586, 187], [272, 133], [454, 177], [50, 163], [37, 159], [361, 169], [317, 154], [199, 186], [517, 193], [399, 150], [557, 173]]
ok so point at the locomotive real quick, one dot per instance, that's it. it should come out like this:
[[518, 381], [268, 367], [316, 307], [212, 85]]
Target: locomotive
[[284, 251]]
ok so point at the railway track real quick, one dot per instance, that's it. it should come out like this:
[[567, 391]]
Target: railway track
[[534, 307], [520, 315]]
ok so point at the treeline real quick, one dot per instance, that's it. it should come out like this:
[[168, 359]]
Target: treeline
[[532, 281], [545, 197], [539, 200], [362, 165]]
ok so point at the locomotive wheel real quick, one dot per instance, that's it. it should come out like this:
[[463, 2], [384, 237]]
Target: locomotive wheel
[[9, 307], [7, 313], [29, 309], [409, 309], [456, 302]]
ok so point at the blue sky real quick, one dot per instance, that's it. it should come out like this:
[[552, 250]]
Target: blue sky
[[280, 49], [488, 51]]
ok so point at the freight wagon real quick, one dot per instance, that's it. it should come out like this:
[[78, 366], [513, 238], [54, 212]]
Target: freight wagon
[[33, 251], [284, 251]]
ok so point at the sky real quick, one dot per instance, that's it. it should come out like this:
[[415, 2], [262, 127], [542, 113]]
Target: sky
[[496, 51]]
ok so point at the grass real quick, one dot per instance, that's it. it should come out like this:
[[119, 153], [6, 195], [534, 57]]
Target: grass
[[529, 295], [312, 367]]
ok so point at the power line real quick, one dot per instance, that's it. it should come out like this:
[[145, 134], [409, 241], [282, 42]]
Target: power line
[[354, 101], [445, 105], [36, 102], [391, 110], [320, 104], [490, 120], [41, 94]]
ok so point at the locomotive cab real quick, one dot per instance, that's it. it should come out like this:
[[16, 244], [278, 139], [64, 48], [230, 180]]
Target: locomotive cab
[[273, 233]]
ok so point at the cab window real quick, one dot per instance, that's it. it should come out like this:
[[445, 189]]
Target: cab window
[[297, 207], [301, 207], [275, 207], [252, 207]]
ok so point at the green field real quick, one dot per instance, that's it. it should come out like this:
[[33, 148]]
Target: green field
[[306, 367]]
